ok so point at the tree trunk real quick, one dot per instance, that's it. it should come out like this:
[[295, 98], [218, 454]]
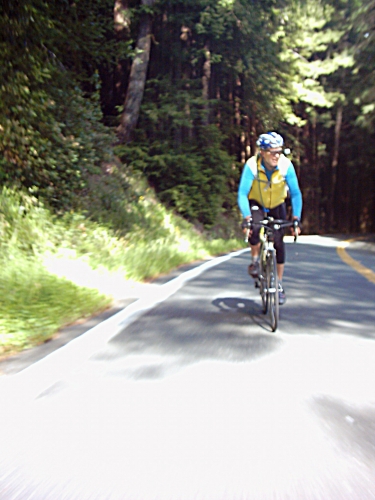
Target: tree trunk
[[121, 20], [334, 163], [313, 220], [206, 84], [137, 79]]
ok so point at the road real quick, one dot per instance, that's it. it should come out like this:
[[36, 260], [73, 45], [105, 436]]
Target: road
[[186, 394]]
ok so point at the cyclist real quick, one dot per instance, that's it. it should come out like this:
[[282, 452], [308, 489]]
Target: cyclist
[[264, 185]]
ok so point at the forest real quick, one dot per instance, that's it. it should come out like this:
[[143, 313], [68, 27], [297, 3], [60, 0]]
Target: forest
[[177, 91]]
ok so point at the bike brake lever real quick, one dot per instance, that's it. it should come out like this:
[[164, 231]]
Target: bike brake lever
[[295, 226]]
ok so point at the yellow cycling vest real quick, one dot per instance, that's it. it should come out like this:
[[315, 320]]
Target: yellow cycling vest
[[269, 194]]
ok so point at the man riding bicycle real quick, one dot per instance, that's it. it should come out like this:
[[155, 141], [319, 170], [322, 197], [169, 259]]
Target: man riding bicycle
[[264, 185]]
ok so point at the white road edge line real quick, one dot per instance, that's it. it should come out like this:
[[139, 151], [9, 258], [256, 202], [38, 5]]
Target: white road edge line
[[38, 377]]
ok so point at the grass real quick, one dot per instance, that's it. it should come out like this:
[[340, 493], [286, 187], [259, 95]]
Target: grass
[[36, 302]]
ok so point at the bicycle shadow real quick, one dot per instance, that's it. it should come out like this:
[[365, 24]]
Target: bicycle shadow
[[181, 333], [245, 307]]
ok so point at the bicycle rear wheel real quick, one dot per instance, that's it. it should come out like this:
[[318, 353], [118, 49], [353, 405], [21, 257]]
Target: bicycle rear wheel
[[273, 292]]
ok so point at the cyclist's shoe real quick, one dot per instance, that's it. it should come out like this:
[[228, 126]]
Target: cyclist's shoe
[[254, 269], [282, 296]]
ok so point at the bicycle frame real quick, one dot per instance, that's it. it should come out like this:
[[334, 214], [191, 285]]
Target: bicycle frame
[[267, 281]]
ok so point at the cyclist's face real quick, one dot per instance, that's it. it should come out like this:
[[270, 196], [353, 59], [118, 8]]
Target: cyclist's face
[[271, 157]]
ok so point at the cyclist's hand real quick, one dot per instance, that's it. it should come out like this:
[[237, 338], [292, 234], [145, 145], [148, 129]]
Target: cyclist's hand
[[246, 225], [296, 228]]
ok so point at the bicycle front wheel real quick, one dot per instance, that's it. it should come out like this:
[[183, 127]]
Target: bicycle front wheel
[[263, 286], [273, 292]]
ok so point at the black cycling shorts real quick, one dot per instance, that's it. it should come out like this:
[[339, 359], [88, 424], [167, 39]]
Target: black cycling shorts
[[257, 214]]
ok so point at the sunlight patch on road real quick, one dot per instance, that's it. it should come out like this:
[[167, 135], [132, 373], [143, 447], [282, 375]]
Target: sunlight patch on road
[[347, 324], [114, 284], [179, 433], [336, 365], [313, 239], [213, 430]]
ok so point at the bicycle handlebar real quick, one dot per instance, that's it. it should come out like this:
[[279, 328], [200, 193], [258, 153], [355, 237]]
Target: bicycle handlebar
[[271, 224]]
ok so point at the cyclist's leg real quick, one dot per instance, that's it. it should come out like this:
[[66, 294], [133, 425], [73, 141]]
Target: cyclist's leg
[[257, 215], [280, 213]]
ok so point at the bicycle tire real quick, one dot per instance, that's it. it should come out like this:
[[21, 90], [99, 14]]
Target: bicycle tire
[[273, 291], [263, 288]]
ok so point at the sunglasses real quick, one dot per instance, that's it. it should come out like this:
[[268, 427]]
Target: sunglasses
[[274, 153]]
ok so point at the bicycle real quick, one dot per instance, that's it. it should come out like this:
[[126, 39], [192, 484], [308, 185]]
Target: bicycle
[[267, 280]]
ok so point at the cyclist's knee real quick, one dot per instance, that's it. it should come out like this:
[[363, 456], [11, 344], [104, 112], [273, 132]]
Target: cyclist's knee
[[254, 239], [280, 260], [280, 253]]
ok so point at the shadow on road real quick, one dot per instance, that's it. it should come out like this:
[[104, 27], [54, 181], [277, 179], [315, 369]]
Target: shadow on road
[[352, 426], [247, 307], [172, 336]]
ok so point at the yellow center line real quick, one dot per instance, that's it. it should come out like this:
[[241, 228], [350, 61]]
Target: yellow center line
[[357, 266]]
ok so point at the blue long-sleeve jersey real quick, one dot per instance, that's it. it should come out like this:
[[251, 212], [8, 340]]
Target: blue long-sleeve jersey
[[246, 182]]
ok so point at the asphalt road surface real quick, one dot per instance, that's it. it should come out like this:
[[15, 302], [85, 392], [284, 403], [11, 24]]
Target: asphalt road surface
[[186, 394]]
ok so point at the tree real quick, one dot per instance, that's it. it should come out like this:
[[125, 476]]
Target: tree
[[52, 139], [318, 52], [202, 75], [138, 73], [219, 73]]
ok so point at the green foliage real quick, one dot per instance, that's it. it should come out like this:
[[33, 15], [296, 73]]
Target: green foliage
[[187, 143], [51, 138], [25, 225], [312, 50], [330, 93], [363, 89], [184, 160], [35, 303], [287, 65]]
